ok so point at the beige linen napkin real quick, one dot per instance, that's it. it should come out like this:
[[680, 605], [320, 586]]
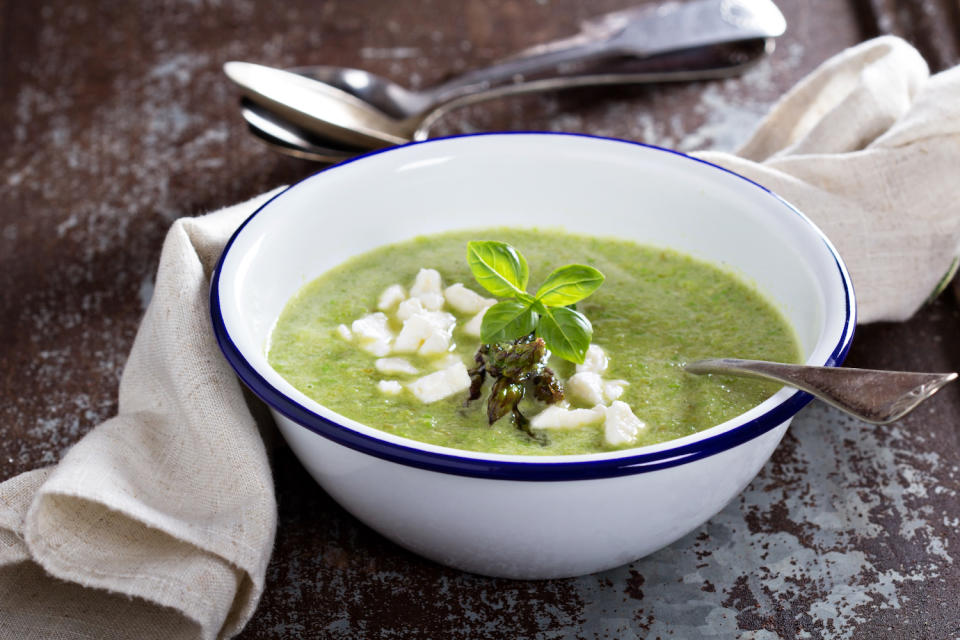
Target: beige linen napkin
[[170, 502], [159, 522], [868, 146]]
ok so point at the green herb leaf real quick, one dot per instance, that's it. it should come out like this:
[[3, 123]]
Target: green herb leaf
[[503, 271], [498, 267], [568, 285], [566, 332], [507, 320], [526, 298]]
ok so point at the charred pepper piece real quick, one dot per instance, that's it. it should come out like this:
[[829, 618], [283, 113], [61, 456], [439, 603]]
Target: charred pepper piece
[[518, 361], [504, 398], [546, 387], [514, 366], [478, 373]]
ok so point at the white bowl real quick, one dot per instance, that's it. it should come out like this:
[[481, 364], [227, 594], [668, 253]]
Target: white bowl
[[526, 516]]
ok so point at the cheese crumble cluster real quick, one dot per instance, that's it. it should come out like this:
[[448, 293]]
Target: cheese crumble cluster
[[415, 322]]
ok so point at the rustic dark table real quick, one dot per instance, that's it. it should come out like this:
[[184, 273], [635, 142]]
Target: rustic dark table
[[115, 119]]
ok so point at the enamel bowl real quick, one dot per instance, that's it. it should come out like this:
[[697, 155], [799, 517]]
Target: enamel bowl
[[526, 516]]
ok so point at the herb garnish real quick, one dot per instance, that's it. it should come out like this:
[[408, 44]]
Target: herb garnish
[[517, 332], [503, 271]]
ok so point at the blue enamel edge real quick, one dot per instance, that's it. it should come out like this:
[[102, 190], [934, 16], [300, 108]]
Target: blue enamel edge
[[511, 470]]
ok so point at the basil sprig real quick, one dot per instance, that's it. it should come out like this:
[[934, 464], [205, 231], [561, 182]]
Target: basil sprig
[[503, 271]]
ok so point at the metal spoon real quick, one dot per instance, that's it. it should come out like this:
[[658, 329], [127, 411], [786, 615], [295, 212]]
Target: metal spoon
[[874, 396], [702, 63], [289, 140], [375, 112]]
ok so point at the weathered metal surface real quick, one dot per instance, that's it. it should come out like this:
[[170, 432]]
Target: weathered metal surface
[[117, 120]]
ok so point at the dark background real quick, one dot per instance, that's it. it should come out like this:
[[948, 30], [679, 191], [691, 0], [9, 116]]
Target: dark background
[[116, 119]]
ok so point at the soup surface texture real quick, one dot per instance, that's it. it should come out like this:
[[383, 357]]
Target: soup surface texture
[[656, 310]]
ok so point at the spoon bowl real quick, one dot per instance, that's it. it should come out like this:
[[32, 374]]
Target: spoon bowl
[[286, 138]]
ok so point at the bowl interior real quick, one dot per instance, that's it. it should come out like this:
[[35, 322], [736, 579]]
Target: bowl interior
[[581, 184]]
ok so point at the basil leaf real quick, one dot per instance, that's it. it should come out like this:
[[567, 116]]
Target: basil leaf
[[498, 267], [527, 299], [569, 284], [507, 320], [566, 332]]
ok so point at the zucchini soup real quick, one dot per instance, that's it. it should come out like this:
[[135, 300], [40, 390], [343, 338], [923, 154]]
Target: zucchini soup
[[392, 339]]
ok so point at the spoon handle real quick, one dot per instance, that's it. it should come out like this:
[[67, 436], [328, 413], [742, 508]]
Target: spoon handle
[[874, 396], [639, 32], [580, 49]]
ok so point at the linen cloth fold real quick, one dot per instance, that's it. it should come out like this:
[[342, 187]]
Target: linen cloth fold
[[159, 522], [868, 147]]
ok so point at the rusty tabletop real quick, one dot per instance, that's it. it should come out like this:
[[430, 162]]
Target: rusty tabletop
[[117, 120]]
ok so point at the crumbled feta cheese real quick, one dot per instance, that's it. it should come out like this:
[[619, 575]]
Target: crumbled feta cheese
[[409, 307], [394, 365], [437, 343], [447, 361], [344, 332], [472, 326], [427, 333], [586, 387], [427, 280], [390, 387], [621, 426], [372, 326], [391, 297], [595, 360], [464, 300], [378, 348], [441, 384], [373, 333], [428, 288], [431, 301], [556, 417], [613, 389]]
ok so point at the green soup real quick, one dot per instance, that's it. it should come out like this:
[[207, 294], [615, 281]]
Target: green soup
[[657, 310]]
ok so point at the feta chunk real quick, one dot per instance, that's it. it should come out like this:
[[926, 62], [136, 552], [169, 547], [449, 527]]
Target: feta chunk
[[391, 297], [613, 389], [438, 342], [390, 387], [586, 387], [447, 361], [344, 332], [595, 360], [621, 426], [394, 365], [431, 301], [426, 333], [372, 326], [464, 300], [428, 288], [409, 307], [556, 417], [472, 326], [441, 384], [373, 333]]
